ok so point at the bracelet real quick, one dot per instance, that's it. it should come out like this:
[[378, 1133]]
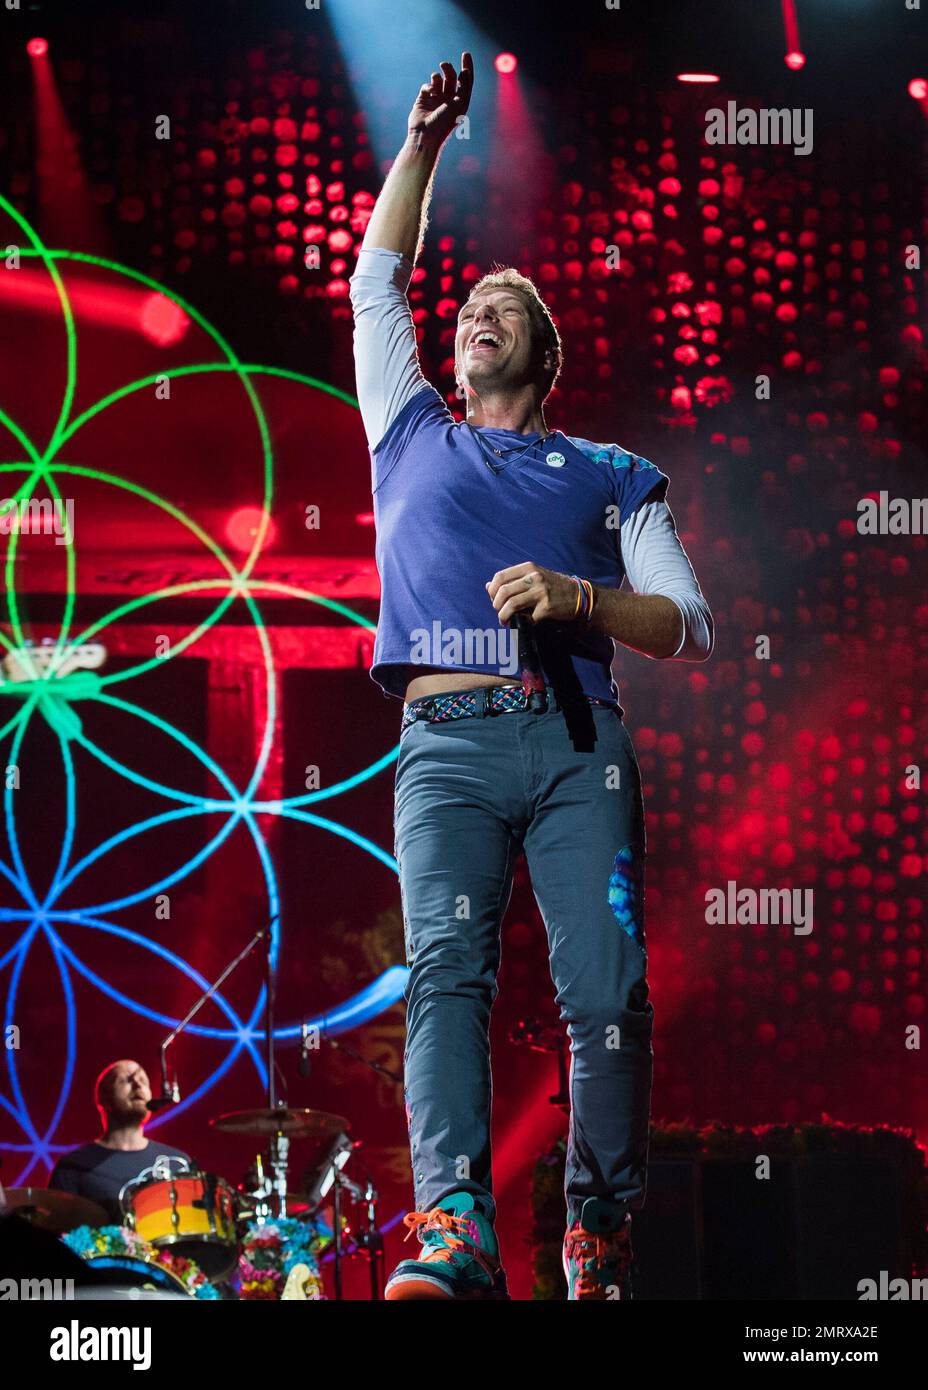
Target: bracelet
[[585, 599]]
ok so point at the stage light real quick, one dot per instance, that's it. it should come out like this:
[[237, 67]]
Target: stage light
[[244, 524], [918, 88], [794, 57], [506, 63], [698, 77], [163, 322], [438, 29], [37, 48]]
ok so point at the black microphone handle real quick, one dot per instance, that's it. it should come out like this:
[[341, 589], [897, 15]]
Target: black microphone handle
[[530, 663], [160, 1103]]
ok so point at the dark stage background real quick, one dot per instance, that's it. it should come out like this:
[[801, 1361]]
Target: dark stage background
[[735, 262]]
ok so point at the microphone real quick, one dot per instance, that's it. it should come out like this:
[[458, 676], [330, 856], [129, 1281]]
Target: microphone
[[170, 1091], [162, 1102], [533, 681]]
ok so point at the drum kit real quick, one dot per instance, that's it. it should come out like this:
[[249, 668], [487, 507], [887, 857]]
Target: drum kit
[[198, 1216]]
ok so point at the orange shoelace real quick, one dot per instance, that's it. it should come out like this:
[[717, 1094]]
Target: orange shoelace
[[436, 1220], [451, 1228], [589, 1249]]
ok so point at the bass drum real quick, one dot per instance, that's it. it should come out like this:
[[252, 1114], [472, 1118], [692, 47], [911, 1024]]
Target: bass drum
[[128, 1277], [192, 1215]]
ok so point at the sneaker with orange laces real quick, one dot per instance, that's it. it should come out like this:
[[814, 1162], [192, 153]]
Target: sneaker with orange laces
[[460, 1255], [598, 1252]]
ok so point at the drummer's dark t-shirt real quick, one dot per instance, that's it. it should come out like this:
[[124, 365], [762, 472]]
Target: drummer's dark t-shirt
[[100, 1174]]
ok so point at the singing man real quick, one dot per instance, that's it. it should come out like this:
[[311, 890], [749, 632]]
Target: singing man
[[482, 525]]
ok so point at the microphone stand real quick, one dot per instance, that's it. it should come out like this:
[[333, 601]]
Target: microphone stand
[[170, 1093]]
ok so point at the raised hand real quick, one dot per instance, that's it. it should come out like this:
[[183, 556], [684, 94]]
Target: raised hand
[[442, 101]]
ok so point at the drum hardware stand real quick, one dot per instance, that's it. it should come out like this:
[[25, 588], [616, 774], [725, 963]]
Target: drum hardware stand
[[262, 1192], [363, 1242], [278, 1154], [542, 1037], [330, 1178], [369, 1240]]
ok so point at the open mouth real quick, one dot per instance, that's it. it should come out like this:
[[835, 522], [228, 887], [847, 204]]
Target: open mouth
[[485, 344]]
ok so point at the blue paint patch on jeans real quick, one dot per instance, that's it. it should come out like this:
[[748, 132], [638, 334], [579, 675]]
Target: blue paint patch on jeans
[[626, 894]]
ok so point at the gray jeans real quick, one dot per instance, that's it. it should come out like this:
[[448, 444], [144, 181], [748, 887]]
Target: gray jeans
[[563, 785]]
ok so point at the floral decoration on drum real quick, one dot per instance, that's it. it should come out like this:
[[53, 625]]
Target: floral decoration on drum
[[91, 1241], [270, 1253]]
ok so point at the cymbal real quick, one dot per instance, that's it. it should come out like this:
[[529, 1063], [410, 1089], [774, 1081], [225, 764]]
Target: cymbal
[[295, 1124], [52, 1210]]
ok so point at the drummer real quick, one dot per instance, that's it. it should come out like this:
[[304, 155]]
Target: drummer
[[99, 1170]]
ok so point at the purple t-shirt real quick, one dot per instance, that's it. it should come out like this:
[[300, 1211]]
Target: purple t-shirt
[[446, 523]]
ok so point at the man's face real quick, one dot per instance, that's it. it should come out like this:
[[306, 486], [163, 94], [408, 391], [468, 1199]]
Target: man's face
[[126, 1092], [493, 347]]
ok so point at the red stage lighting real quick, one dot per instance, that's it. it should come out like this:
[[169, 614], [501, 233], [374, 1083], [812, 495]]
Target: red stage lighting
[[37, 48], [795, 60], [918, 88], [162, 321], [506, 62], [698, 77], [243, 526]]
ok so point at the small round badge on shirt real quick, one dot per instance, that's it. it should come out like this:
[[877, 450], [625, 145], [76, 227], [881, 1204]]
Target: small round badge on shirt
[[555, 460]]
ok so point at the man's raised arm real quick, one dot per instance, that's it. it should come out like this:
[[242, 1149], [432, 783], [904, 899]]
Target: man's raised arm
[[386, 363], [399, 217]]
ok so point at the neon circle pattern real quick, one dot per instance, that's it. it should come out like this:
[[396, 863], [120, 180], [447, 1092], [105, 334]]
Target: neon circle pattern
[[38, 915]]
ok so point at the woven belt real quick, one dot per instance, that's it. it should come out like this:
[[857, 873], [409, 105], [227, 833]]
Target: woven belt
[[464, 704]]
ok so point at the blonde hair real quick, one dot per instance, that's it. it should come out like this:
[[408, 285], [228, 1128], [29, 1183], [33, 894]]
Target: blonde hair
[[546, 334]]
